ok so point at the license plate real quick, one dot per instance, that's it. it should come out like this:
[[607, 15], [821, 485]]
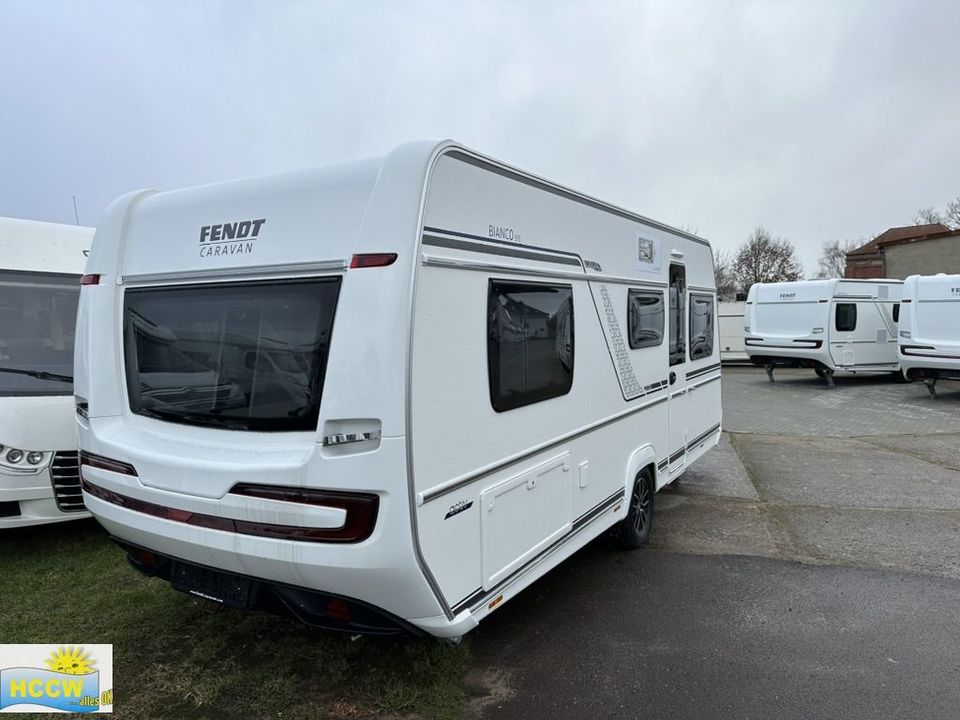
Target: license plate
[[223, 588]]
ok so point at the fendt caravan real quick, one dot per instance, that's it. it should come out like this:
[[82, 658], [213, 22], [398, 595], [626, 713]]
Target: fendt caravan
[[40, 268], [930, 329], [826, 325], [390, 394]]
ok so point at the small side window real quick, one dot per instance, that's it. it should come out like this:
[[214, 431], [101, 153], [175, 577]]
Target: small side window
[[529, 342], [644, 318], [846, 317], [896, 312], [675, 293], [701, 326]]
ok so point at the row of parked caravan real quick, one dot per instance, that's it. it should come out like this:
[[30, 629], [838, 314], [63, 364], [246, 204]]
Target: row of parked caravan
[[909, 328]]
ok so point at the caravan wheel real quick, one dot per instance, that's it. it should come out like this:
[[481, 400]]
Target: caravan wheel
[[821, 373], [634, 529]]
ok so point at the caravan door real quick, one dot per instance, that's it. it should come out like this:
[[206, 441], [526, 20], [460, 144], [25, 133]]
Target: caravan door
[[861, 334], [678, 401]]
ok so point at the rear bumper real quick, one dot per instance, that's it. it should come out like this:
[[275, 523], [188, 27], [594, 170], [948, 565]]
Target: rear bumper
[[380, 572], [315, 608], [919, 365], [788, 352]]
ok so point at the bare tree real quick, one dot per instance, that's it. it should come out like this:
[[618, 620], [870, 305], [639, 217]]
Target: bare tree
[[952, 214], [927, 216], [723, 274], [765, 258], [833, 260]]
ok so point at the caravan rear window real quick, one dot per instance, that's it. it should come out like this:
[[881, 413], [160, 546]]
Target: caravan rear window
[[241, 356], [529, 342], [644, 318]]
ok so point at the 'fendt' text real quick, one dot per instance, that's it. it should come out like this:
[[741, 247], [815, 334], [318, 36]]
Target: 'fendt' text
[[234, 238]]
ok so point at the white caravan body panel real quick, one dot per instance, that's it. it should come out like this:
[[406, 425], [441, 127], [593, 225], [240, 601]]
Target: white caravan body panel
[[483, 482], [930, 327], [834, 325], [731, 315], [40, 268]]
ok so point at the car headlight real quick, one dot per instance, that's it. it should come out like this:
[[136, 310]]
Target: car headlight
[[34, 457], [14, 456]]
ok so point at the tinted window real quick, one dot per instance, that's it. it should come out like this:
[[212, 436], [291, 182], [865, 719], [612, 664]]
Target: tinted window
[[529, 342], [846, 317], [38, 314], [701, 326], [244, 356], [896, 312], [678, 286], [644, 318]]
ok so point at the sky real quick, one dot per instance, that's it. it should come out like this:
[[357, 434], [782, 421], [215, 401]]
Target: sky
[[817, 120]]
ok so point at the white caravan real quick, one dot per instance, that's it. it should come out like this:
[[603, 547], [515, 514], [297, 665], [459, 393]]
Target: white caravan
[[389, 394], [730, 316], [40, 268], [827, 325], [930, 329]]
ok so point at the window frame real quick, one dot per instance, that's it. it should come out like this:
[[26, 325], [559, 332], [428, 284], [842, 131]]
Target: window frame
[[503, 403], [836, 317], [713, 314], [633, 292]]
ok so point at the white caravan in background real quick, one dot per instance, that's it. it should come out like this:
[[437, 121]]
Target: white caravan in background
[[40, 268], [930, 329], [826, 325], [389, 394], [732, 349]]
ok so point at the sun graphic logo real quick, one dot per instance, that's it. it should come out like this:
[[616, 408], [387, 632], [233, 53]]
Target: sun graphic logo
[[76, 679], [70, 660]]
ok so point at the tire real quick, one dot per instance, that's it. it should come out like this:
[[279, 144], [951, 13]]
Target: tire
[[821, 373], [634, 530]]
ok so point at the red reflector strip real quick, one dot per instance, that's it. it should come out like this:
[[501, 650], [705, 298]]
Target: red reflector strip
[[372, 260], [92, 279], [358, 527], [105, 463]]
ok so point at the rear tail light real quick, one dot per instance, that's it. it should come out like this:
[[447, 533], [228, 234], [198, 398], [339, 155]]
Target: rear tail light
[[361, 509], [91, 279], [105, 463], [368, 260], [361, 513]]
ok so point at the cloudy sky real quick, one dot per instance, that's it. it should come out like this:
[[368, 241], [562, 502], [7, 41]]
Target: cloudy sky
[[816, 120]]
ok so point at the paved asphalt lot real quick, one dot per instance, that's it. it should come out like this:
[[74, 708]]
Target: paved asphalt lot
[[808, 567]]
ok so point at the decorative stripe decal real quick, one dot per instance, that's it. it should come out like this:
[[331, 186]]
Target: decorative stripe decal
[[629, 384], [703, 436], [677, 455], [703, 371], [488, 248]]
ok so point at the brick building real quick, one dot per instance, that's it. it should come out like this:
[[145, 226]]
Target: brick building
[[903, 251]]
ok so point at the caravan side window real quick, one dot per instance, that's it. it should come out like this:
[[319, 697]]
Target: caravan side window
[[701, 326], [529, 342], [846, 317], [644, 318], [896, 312]]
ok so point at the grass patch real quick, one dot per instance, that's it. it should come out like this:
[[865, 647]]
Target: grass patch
[[179, 657]]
